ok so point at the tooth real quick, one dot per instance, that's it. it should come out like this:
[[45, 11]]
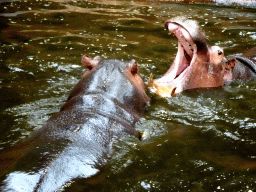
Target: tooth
[[185, 33], [173, 91], [172, 27]]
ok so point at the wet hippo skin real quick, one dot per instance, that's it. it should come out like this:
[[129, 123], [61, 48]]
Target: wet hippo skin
[[241, 67], [77, 141], [198, 65]]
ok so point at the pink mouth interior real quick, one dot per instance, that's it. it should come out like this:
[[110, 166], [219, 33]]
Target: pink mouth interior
[[182, 63]]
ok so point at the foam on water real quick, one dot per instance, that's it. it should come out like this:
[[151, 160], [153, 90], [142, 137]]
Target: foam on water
[[247, 3]]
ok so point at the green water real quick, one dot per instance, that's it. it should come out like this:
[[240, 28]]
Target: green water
[[198, 141]]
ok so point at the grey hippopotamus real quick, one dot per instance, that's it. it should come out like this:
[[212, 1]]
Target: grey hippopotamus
[[198, 65], [240, 67], [76, 142]]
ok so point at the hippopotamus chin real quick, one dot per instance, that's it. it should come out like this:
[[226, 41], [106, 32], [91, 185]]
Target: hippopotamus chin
[[196, 65]]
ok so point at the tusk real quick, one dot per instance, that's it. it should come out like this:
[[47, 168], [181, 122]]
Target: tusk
[[173, 92], [151, 80]]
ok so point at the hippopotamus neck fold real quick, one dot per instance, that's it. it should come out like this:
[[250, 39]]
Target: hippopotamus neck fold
[[104, 104]]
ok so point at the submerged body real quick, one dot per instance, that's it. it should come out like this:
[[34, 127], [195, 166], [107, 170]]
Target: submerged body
[[196, 65], [77, 141]]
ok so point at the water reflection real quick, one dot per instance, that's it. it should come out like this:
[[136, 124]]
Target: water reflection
[[201, 141]]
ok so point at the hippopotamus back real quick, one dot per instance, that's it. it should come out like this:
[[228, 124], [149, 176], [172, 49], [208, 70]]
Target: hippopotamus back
[[77, 141]]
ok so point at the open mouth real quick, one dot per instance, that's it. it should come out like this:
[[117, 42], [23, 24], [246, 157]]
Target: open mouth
[[196, 65], [183, 60], [191, 41]]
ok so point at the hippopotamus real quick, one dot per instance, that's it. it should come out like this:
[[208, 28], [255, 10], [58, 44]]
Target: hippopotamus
[[77, 141], [197, 65]]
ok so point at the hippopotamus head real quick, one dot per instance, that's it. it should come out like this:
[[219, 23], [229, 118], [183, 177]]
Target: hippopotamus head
[[114, 79], [197, 65]]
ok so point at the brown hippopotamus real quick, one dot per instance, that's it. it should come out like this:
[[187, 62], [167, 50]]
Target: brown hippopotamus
[[196, 65], [77, 141]]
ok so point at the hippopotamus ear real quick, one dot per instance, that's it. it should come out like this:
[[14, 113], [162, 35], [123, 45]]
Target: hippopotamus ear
[[133, 66], [90, 63], [231, 63]]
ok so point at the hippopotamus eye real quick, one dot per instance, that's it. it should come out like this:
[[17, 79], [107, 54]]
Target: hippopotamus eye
[[219, 52]]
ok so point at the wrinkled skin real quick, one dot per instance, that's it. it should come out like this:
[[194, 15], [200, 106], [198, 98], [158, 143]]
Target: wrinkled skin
[[196, 65], [76, 142]]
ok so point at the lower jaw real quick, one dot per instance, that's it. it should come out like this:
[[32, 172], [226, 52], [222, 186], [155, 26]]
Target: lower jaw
[[177, 82], [164, 90]]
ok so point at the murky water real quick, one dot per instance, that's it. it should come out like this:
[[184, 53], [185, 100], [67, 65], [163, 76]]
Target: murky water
[[199, 141]]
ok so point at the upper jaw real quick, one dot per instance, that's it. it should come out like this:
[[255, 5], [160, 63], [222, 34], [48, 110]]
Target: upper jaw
[[183, 36], [191, 26], [187, 50]]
